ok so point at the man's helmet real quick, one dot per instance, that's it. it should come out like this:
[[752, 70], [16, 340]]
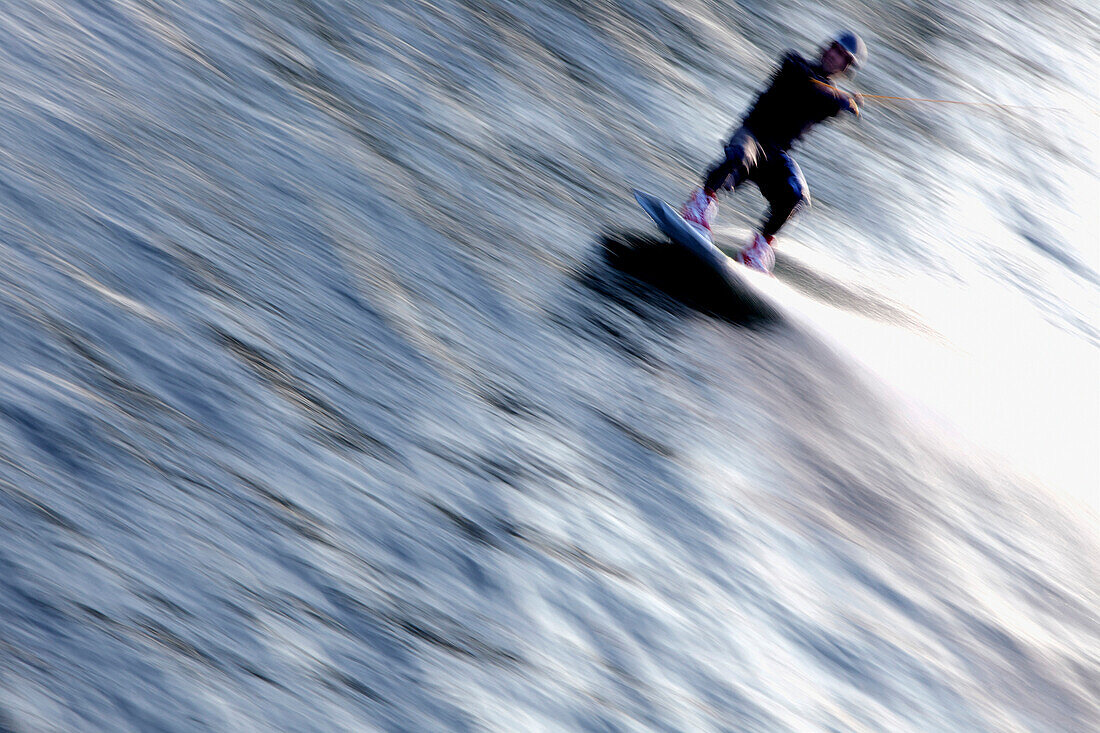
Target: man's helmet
[[852, 43]]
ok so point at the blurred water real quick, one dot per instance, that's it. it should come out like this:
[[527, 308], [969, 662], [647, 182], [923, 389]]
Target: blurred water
[[321, 407]]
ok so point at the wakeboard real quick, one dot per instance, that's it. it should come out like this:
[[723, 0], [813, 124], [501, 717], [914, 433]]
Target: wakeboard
[[680, 232], [740, 278]]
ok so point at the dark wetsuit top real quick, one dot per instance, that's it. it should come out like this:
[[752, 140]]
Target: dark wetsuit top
[[794, 102]]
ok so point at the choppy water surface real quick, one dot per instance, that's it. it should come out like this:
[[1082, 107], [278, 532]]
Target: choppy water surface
[[337, 391]]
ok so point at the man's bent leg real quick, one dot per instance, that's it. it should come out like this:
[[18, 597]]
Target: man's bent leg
[[742, 155], [783, 185]]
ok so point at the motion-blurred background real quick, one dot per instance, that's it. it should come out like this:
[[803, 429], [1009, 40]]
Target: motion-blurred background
[[321, 407]]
